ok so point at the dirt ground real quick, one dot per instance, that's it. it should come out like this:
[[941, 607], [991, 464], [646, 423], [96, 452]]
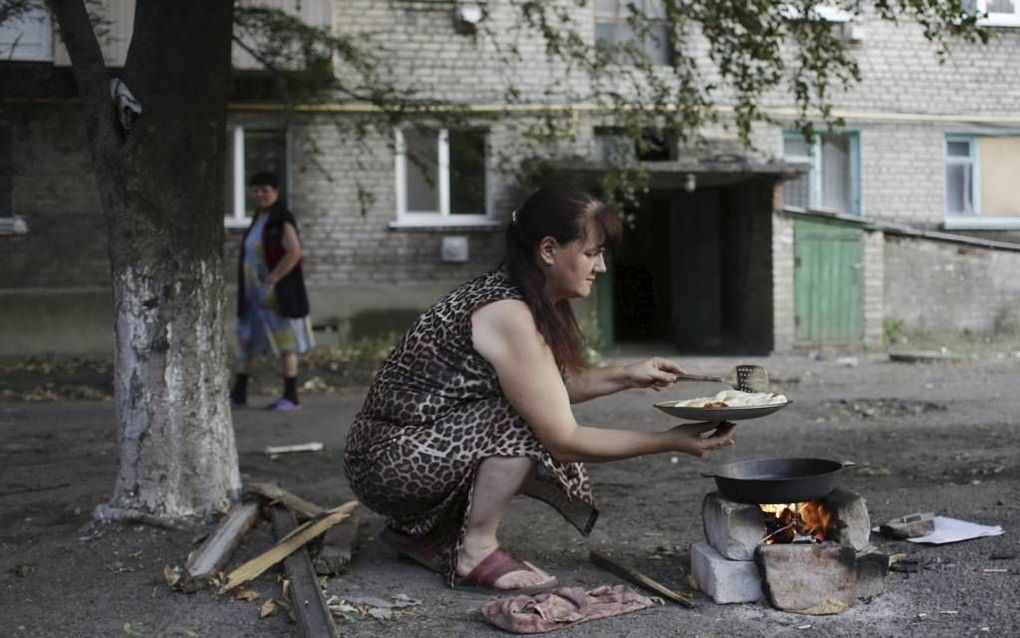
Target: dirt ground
[[939, 437]]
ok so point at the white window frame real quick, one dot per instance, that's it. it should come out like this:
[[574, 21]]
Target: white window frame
[[997, 19], [237, 217], [974, 220], [814, 160], [37, 23], [442, 217]]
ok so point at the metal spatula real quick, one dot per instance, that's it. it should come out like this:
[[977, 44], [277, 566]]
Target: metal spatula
[[745, 377]]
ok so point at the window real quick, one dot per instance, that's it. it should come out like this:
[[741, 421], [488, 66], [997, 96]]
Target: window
[[997, 13], [832, 182], [981, 174], [441, 176], [29, 38], [250, 151], [613, 27], [616, 146]]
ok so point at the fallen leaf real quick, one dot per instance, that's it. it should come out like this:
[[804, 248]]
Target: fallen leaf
[[246, 595], [132, 630], [268, 609], [172, 574]]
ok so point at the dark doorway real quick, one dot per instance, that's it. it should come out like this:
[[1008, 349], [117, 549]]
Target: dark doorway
[[642, 274]]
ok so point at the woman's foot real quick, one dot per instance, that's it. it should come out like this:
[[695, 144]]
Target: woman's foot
[[487, 566]]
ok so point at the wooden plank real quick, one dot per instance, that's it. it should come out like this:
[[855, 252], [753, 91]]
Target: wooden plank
[[638, 578], [337, 547], [307, 602], [212, 555], [296, 539], [276, 494]]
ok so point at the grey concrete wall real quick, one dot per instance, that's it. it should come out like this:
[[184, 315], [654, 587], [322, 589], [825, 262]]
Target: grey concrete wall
[[942, 287]]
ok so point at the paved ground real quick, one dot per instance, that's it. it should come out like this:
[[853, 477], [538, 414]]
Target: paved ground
[[61, 577]]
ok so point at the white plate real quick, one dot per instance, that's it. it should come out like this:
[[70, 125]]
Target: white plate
[[736, 413]]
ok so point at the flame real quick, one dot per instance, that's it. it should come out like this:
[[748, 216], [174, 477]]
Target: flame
[[804, 519]]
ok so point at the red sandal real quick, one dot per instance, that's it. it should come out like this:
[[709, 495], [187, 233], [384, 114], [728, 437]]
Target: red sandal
[[485, 574], [419, 550]]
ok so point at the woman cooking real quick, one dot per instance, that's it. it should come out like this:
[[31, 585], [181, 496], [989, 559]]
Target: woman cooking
[[473, 406]]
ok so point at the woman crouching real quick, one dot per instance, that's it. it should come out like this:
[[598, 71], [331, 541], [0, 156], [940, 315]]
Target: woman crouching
[[473, 405]]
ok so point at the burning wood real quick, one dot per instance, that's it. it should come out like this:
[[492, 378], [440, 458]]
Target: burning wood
[[795, 522]]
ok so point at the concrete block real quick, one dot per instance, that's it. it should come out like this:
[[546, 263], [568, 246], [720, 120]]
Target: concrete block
[[853, 524], [732, 529], [871, 572], [808, 579], [725, 581]]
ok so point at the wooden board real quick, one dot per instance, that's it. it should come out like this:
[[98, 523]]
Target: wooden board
[[212, 555], [307, 602]]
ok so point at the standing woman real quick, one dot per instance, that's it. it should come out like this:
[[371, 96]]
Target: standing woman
[[473, 406], [272, 305]]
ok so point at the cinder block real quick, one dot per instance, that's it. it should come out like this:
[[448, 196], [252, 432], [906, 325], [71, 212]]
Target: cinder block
[[724, 580], [732, 529], [808, 579]]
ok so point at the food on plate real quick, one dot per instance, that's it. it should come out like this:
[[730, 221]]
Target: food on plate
[[733, 399]]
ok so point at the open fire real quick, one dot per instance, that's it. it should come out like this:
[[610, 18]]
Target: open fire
[[796, 522]]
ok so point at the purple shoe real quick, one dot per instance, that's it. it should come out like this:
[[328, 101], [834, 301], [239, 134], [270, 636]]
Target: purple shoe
[[283, 405]]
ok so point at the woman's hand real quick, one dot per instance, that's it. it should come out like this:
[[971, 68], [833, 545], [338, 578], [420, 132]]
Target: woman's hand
[[688, 438], [656, 373]]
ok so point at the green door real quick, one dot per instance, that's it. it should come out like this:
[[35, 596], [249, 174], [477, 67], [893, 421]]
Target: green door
[[827, 276]]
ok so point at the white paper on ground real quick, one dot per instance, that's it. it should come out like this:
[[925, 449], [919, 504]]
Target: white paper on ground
[[951, 530]]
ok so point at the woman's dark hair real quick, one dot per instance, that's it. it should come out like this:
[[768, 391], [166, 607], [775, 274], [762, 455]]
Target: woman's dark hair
[[265, 178], [563, 213]]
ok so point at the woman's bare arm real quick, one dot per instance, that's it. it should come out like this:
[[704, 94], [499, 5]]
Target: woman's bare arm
[[589, 383], [504, 333]]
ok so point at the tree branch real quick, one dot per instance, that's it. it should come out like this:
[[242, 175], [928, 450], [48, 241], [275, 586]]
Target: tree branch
[[87, 63]]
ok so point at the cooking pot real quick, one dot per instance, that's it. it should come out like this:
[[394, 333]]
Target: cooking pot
[[785, 480]]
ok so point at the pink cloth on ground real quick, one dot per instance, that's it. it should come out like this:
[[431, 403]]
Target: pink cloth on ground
[[562, 607]]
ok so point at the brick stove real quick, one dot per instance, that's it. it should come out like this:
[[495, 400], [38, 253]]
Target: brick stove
[[823, 572]]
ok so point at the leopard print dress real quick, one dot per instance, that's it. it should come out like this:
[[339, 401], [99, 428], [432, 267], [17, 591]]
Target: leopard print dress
[[434, 411]]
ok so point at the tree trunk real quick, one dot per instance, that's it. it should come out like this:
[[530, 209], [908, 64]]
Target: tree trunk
[[161, 182]]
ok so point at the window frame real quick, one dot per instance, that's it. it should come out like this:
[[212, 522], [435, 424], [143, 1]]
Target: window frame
[[617, 18], [815, 179], [997, 19], [236, 217], [975, 220], [441, 218]]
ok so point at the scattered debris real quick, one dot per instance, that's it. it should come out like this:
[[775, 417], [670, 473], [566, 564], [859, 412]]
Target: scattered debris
[[357, 607], [268, 608], [337, 547], [926, 356], [309, 605], [1002, 556], [276, 494], [638, 578], [296, 539], [247, 595], [884, 407], [276, 450], [909, 526], [949, 612], [995, 571], [846, 362], [951, 530], [210, 558], [22, 569]]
